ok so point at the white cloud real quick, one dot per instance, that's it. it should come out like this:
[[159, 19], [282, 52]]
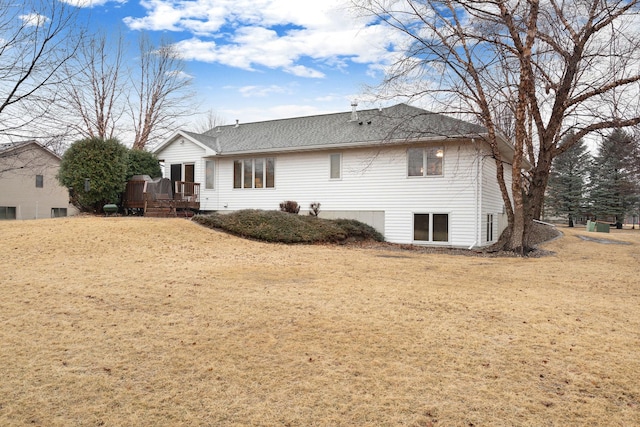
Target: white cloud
[[91, 3], [34, 19], [261, 91], [275, 34]]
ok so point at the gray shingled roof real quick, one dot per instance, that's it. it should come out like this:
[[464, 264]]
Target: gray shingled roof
[[394, 124], [6, 149], [14, 145]]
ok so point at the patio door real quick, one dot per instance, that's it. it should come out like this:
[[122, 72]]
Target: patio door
[[189, 173], [176, 174]]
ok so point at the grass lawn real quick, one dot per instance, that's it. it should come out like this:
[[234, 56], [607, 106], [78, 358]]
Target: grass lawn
[[163, 322]]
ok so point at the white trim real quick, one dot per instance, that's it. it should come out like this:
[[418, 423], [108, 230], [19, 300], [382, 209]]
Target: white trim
[[331, 155], [430, 241], [179, 134]]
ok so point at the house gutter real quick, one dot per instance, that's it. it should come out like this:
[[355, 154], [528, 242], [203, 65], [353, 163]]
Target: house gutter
[[359, 144]]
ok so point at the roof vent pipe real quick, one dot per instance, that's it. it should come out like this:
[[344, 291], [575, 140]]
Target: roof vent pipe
[[354, 111], [237, 123]]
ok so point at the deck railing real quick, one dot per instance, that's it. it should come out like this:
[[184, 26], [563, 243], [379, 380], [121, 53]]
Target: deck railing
[[187, 191]]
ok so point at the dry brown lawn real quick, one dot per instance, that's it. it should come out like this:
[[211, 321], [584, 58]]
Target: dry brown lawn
[[143, 322]]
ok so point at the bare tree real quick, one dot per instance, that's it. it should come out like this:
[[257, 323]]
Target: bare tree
[[557, 71], [160, 88], [37, 38], [210, 120], [96, 86]]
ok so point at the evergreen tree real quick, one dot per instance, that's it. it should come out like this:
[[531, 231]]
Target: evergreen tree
[[94, 170], [567, 182], [614, 191], [141, 162]]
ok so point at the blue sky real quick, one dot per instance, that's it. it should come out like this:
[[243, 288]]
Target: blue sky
[[261, 59]]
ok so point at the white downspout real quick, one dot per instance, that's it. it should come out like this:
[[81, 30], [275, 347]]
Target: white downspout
[[477, 198]]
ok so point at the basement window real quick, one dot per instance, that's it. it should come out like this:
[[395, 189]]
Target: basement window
[[430, 227], [58, 212], [7, 212]]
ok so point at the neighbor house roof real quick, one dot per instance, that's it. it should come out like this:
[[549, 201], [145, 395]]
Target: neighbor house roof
[[6, 149], [400, 123]]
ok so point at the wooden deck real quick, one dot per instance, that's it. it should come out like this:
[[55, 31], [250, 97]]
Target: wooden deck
[[184, 200]]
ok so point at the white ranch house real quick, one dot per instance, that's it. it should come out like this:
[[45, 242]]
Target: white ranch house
[[417, 177]]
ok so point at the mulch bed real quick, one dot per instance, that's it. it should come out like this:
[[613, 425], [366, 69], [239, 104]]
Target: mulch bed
[[540, 233]]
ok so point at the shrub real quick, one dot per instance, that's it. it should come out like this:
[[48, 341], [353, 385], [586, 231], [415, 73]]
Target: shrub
[[359, 230], [103, 163], [290, 206], [278, 226], [314, 209], [140, 162]]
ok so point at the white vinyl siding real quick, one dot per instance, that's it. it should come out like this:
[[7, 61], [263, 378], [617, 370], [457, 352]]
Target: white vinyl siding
[[492, 202], [185, 152], [373, 183]]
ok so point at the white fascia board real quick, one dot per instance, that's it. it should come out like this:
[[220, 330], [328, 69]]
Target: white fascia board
[[363, 144], [179, 134]]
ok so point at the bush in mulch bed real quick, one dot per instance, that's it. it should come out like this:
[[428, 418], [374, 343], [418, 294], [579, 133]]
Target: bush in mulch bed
[[282, 227]]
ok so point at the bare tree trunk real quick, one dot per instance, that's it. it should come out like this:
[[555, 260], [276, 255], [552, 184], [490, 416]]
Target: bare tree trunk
[[96, 87], [161, 97]]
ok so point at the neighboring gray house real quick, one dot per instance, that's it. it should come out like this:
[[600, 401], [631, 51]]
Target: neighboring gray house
[[417, 177], [28, 185]]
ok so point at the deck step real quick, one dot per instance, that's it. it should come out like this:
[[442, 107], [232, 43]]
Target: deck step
[[160, 212]]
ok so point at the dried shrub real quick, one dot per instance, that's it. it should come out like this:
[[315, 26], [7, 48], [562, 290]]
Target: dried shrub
[[314, 209], [290, 206], [280, 227]]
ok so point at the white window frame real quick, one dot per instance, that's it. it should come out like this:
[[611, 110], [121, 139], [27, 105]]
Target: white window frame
[[209, 175], [490, 228], [431, 240], [252, 162], [333, 156], [424, 169]]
